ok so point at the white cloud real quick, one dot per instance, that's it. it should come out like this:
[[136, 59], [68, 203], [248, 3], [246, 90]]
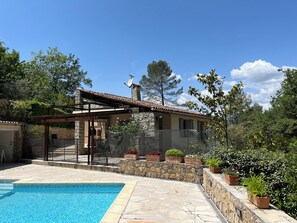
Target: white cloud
[[184, 97], [230, 83], [193, 78], [258, 70], [178, 76], [261, 80]]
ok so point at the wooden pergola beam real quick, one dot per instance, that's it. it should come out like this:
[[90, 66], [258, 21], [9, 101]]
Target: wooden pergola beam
[[76, 117]]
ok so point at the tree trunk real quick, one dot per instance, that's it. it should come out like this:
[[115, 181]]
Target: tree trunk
[[162, 94], [226, 132]]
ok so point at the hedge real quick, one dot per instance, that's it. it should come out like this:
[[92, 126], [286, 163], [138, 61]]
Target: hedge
[[278, 168]]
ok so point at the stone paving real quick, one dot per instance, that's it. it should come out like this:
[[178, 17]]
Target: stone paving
[[152, 200]]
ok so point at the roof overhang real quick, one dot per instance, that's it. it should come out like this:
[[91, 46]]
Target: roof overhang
[[86, 116]]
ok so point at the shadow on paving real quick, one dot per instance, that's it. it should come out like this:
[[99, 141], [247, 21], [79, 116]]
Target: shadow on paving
[[4, 166]]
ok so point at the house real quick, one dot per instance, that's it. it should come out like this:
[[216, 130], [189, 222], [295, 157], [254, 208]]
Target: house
[[111, 109]]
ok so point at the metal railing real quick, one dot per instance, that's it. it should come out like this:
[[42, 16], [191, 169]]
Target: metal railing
[[110, 150], [190, 141], [63, 150]]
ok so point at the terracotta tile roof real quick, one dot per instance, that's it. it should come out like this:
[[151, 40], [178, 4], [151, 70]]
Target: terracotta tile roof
[[143, 104]]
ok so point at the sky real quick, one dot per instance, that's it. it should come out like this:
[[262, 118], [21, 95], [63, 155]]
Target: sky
[[244, 41]]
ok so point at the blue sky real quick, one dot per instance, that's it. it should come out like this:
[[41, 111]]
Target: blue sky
[[242, 40]]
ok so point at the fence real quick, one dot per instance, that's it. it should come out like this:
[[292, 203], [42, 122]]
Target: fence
[[63, 150], [110, 150], [190, 141], [59, 149]]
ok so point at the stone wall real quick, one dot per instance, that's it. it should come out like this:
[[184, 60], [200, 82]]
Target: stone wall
[[17, 145], [233, 203], [146, 120], [79, 125], [162, 170]]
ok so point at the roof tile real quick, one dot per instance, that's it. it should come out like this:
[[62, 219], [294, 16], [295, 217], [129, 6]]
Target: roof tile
[[143, 104]]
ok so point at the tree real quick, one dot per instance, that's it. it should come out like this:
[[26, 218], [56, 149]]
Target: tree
[[11, 73], [276, 128], [285, 101], [160, 83], [284, 109], [58, 75], [218, 104], [49, 78]]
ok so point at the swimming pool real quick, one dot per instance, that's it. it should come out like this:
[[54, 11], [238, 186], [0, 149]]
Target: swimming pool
[[59, 203]]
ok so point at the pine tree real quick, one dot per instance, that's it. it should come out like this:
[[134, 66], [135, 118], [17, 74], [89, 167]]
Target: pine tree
[[160, 83]]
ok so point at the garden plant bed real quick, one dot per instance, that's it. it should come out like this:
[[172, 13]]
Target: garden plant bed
[[234, 205]]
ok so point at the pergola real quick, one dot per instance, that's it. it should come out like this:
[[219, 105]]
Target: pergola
[[85, 113]]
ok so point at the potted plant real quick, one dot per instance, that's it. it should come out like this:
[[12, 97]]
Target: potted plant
[[174, 156], [153, 156], [214, 165], [193, 159], [132, 153], [231, 175], [257, 191]]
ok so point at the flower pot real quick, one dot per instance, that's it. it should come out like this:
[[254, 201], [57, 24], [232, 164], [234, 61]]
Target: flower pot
[[260, 202], [215, 169], [193, 160], [131, 156], [171, 159], [153, 158], [231, 179]]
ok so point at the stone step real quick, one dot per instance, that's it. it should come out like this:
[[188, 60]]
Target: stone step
[[3, 192], [6, 186], [5, 189], [62, 149]]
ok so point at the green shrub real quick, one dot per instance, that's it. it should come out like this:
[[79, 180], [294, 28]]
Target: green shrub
[[132, 148], [256, 185], [279, 170], [126, 126], [118, 130], [213, 162], [174, 153], [231, 170], [24, 110]]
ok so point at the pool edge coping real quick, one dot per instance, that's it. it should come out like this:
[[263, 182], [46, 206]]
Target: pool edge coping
[[116, 209]]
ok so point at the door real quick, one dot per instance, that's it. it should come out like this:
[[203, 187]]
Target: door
[[6, 144]]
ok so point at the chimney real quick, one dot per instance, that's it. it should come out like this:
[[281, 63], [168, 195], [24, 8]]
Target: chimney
[[136, 92]]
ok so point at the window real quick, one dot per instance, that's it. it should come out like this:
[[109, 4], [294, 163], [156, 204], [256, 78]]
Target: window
[[184, 125], [200, 129]]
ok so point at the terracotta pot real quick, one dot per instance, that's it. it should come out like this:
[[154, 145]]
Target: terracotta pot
[[153, 158], [215, 169], [260, 202], [131, 156], [171, 159], [231, 180], [193, 160]]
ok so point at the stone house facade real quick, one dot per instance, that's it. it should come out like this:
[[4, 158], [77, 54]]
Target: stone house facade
[[114, 108]]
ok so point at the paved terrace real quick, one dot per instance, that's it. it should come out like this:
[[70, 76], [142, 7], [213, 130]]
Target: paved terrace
[[151, 200]]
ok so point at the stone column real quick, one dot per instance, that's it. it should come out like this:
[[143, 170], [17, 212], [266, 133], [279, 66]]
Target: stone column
[[147, 120], [79, 125]]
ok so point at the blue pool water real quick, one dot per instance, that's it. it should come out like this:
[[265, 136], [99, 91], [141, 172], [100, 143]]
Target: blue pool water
[[59, 203]]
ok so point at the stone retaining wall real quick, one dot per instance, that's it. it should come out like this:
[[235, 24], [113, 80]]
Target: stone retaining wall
[[162, 170], [233, 203]]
